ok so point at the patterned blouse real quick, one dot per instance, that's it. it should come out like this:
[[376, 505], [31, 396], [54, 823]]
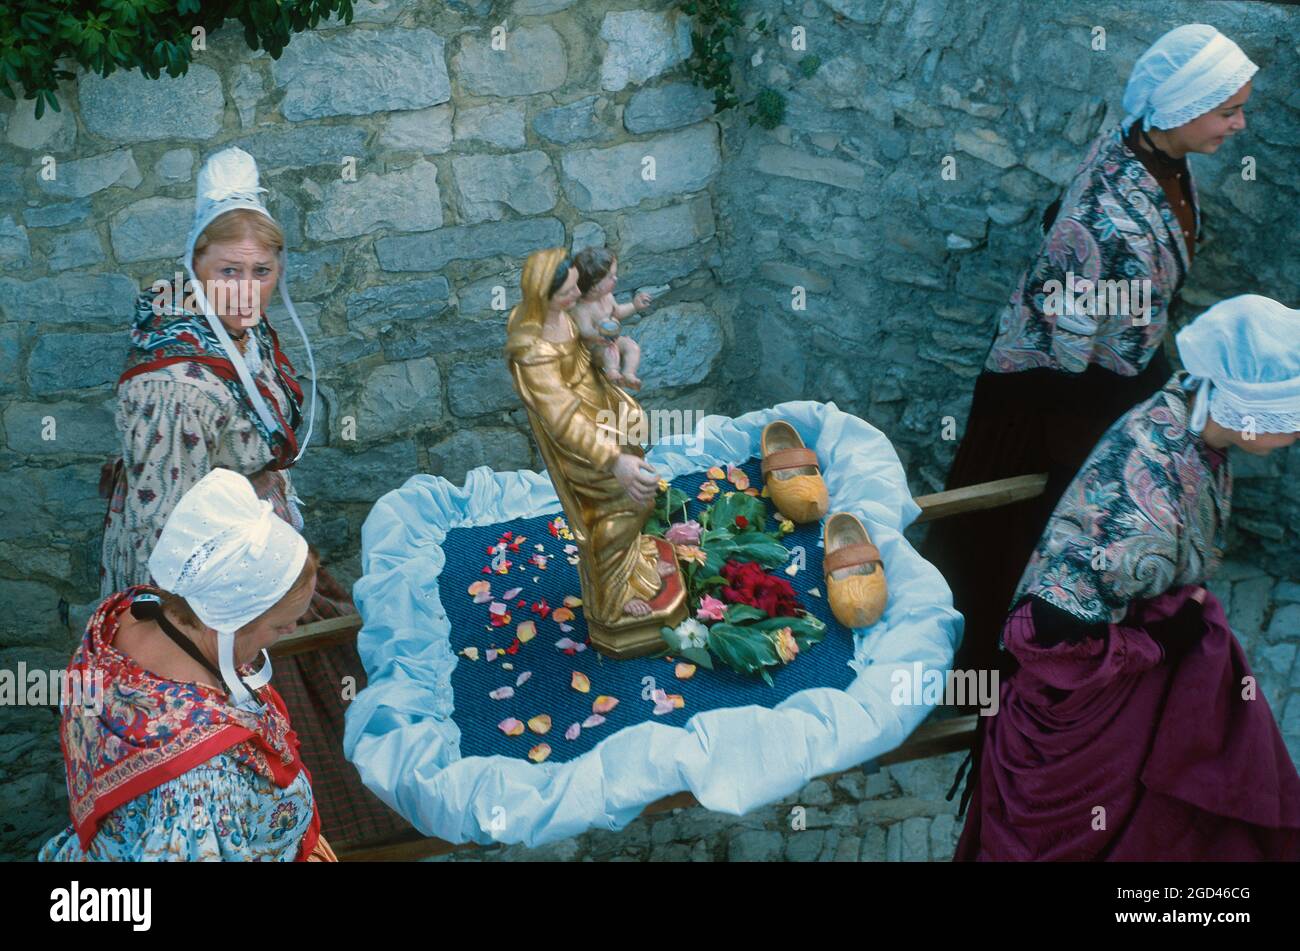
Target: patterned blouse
[[217, 812], [1145, 514], [177, 423], [1106, 273]]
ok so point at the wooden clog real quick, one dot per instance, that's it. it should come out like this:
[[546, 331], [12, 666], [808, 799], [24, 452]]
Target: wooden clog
[[790, 472], [855, 575]]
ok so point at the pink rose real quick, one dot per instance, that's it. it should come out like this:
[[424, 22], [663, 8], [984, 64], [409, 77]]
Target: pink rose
[[710, 609], [683, 533]]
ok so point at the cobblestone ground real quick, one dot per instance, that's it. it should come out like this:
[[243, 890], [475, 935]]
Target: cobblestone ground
[[899, 814], [896, 814]]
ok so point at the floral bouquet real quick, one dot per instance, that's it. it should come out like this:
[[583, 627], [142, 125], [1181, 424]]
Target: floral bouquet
[[743, 614]]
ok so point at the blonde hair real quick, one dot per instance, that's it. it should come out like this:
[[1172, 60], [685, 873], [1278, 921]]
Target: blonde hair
[[238, 224]]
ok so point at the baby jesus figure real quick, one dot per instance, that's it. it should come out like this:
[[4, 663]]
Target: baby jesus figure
[[599, 317]]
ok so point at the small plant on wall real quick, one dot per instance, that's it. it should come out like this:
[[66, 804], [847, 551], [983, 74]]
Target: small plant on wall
[[148, 35], [715, 23]]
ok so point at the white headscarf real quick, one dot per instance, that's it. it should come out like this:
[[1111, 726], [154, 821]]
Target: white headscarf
[[1185, 74], [231, 558], [1244, 355], [229, 180]]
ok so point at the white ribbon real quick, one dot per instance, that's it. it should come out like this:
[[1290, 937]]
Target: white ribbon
[[1201, 406], [239, 696]]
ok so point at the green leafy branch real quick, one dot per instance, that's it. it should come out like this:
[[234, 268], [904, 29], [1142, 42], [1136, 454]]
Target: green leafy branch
[[148, 35]]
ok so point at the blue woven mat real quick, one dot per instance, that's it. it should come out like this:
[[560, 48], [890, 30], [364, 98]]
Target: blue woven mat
[[548, 690]]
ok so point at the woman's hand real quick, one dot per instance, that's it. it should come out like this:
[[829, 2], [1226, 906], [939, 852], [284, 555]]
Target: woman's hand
[[637, 477]]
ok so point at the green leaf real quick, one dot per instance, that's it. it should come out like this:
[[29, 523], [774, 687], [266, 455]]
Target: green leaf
[[740, 613], [698, 655], [671, 639], [742, 648], [728, 507]]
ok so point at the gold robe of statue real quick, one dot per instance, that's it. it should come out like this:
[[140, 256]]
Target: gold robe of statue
[[577, 417]]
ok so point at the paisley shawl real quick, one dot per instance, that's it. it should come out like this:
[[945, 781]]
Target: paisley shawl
[[1115, 223], [1145, 514]]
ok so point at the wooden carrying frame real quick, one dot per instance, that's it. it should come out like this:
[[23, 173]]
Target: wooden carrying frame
[[932, 738]]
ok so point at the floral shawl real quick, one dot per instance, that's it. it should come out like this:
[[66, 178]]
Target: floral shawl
[[179, 336], [1115, 224], [1145, 514], [151, 730]]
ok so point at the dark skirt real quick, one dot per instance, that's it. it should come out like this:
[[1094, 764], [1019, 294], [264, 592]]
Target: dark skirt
[[1132, 746], [1021, 424]]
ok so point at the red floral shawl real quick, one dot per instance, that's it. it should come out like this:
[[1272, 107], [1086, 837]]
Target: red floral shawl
[[150, 730]]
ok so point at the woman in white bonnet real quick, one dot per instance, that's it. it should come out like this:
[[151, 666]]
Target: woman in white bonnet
[[1131, 726], [188, 753], [1071, 354], [206, 385]]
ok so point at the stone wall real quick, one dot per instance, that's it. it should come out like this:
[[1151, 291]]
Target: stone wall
[[466, 158], [905, 271]]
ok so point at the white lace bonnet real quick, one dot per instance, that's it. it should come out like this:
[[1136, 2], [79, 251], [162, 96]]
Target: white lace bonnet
[[1185, 74], [1244, 357], [231, 558]]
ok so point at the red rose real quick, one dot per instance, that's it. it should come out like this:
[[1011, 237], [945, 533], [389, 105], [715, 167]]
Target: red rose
[[749, 584], [742, 522]]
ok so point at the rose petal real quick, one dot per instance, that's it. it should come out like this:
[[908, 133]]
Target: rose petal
[[540, 723], [510, 726], [715, 472], [566, 628], [506, 666], [580, 682], [511, 594], [594, 720], [815, 592], [603, 704], [526, 631], [470, 652], [498, 608], [664, 707], [565, 644], [738, 478], [684, 671], [522, 678], [677, 700], [572, 732], [560, 615], [539, 752], [572, 601], [659, 696], [792, 569], [492, 653], [502, 693]]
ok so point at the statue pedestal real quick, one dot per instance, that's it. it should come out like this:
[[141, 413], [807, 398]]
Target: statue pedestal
[[638, 636]]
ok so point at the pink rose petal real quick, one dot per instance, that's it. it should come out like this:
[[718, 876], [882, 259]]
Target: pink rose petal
[[594, 720], [511, 594], [572, 732], [523, 678]]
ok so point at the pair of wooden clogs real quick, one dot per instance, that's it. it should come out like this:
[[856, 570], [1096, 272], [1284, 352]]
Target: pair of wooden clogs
[[855, 575]]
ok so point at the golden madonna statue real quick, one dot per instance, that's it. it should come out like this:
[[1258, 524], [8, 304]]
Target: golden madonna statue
[[631, 585]]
